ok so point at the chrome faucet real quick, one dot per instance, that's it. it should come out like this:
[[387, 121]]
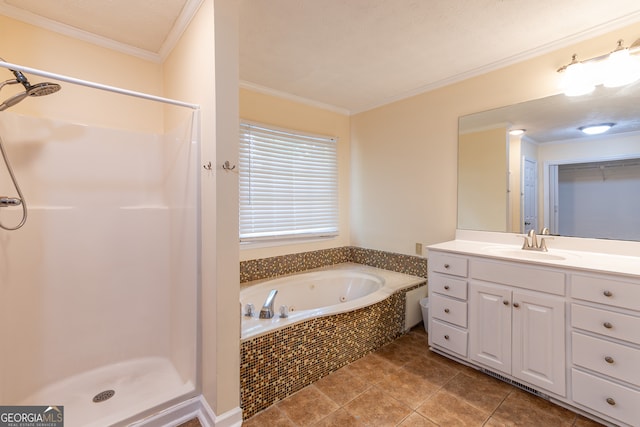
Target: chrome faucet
[[531, 241], [267, 308]]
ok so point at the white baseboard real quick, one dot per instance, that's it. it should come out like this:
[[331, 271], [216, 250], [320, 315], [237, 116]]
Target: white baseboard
[[196, 407], [208, 418]]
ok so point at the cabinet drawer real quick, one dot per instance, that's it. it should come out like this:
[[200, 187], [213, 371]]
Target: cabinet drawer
[[448, 286], [448, 309], [608, 323], [615, 360], [605, 291], [449, 337], [604, 396], [516, 274], [450, 264]]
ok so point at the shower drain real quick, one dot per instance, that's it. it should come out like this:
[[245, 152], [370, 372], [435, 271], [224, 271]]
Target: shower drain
[[103, 395]]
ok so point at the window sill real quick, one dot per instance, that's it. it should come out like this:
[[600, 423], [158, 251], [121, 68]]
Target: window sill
[[284, 242]]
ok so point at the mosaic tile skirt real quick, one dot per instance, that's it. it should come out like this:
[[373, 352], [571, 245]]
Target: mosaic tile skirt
[[276, 365]]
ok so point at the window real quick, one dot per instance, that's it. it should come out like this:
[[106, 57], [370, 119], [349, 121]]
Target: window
[[288, 184]]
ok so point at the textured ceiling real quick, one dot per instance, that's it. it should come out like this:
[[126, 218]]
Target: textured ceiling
[[147, 28], [557, 118], [351, 55], [358, 54]]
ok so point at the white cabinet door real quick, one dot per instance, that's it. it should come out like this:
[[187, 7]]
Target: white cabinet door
[[490, 325], [538, 340]]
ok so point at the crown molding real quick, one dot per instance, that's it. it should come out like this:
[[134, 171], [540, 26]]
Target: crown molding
[[285, 95], [182, 22]]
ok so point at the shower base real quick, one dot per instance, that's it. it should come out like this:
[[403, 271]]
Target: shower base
[[121, 391]]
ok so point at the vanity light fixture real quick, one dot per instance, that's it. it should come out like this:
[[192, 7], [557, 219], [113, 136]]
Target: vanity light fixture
[[596, 129], [516, 132], [617, 68]]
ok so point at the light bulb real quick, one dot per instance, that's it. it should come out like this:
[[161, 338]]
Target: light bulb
[[578, 79], [621, 68]]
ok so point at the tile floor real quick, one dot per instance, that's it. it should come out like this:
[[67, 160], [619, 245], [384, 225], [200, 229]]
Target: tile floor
[[404, 384]]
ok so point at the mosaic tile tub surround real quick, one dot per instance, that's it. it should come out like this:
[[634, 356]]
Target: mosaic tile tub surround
[[276, 365], [264, 268]]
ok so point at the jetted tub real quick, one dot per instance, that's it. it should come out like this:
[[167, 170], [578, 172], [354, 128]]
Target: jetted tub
[[323, 292]]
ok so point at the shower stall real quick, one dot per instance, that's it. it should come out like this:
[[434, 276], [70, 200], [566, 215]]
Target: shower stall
[[99, 288]]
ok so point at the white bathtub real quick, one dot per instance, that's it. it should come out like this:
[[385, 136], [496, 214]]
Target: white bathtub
[[322, 292]]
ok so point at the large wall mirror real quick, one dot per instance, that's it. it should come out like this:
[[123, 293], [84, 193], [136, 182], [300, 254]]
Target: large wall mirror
[[553, 175]]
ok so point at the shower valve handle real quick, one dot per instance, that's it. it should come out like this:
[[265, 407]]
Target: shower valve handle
[[9, 201]]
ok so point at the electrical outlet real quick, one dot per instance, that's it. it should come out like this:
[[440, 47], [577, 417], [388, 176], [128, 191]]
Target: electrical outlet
[[418, 248]]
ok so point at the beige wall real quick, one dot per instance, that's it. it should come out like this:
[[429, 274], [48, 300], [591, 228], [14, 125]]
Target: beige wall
[[202, 68], [34, 47], [404, 155], [268, 109], [482, 187]]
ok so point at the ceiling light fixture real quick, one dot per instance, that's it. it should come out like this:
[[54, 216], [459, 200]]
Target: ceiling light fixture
[[516, 132], [618, 68], [596, 129]]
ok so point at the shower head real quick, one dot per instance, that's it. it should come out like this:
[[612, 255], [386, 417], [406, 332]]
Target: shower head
[[38, 89], [41, 89]]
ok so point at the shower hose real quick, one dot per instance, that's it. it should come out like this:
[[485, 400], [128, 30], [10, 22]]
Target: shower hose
[[17, 187]]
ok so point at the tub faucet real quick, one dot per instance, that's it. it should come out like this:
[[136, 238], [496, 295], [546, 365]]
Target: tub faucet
[[267, 308]]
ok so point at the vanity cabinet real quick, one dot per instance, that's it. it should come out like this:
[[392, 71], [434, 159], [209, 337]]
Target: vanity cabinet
[[570, 334], [518, 333]]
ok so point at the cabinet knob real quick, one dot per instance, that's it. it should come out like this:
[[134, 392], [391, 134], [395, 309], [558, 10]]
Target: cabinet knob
[[446, 337], [610, 401], [505, 302], [608, 359], [446, 310], [446, 266], [516, 305], [607, 293], [446, 287], [607, 325]]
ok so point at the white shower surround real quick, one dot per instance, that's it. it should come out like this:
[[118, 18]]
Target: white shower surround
[[105, 270]]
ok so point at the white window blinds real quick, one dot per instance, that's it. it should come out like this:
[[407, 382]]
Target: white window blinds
[[288, 184]]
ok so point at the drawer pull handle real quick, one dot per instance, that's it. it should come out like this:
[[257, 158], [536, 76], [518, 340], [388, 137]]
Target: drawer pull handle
[[607, 325], [446, 337], [446, 310], [446, 266], [516, 305], [607, 293], [608, 359], [610, 401], [505, 302], [446, 287]]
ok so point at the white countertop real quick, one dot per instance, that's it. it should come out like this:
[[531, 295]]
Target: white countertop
[[584, 257]]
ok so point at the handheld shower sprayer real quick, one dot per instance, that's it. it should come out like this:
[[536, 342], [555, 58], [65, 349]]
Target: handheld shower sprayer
[[38, 89]]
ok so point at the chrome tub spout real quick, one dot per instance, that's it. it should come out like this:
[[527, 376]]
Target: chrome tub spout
[[267, 308]]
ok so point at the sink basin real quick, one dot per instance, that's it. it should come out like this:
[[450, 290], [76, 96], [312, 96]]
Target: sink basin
[[524, 254]]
